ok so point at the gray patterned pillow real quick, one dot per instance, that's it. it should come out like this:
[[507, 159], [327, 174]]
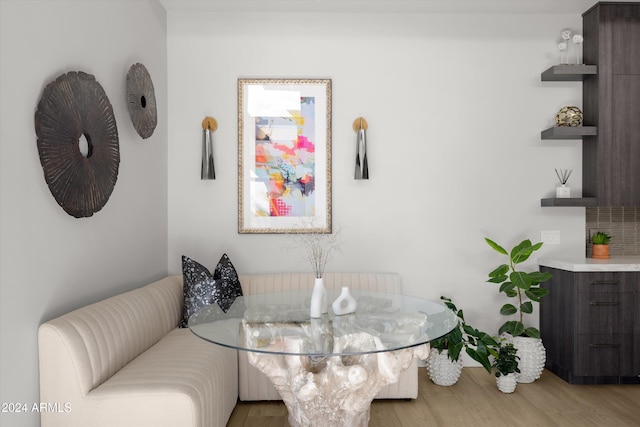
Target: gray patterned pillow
[[201, 288]]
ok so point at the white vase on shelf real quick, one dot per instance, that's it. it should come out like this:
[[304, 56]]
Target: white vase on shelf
[[319, 304], [345, 303]]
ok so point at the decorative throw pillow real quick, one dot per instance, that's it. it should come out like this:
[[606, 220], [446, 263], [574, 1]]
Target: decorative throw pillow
[[201, 288]]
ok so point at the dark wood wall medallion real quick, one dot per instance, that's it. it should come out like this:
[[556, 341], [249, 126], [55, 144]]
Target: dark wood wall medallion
[[141, 100], [78, 143]]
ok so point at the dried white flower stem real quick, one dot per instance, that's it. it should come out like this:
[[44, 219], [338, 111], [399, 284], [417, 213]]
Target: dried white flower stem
[[317, 247]]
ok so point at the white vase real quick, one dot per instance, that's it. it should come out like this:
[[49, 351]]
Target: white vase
[[441, 369], [507, 383], [345, 303], [532, 356], [319, 304]]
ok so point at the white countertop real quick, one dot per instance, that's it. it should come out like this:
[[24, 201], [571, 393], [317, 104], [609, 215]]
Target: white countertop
[[615, 263]]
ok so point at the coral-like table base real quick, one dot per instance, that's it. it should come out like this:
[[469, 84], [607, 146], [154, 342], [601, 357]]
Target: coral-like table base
[[334, 391]]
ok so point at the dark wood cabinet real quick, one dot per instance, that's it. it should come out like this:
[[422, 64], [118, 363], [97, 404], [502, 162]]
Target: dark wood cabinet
[[590, 326], [611, 102]]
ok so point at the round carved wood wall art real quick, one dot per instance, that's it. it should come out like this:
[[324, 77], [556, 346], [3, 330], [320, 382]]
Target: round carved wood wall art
[[78, 143], [141, 100]]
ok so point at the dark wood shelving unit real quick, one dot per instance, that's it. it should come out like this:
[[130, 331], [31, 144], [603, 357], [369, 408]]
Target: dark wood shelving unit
[[568, 132], [568, 73], [570, 202]]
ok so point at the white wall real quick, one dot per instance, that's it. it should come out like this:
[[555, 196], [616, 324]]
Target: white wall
[[455, 107], [51, 262]]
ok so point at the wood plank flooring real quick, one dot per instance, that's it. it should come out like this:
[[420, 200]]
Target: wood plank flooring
[[476, 401]]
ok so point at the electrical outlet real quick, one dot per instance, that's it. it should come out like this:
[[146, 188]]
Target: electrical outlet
[[550, 237]]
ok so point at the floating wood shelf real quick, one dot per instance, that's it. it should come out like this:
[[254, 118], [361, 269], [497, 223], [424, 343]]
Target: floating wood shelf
[[572, 73], [570, 202], [568, 132]]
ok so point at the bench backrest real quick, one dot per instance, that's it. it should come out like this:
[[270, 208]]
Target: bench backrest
[[85, 347]]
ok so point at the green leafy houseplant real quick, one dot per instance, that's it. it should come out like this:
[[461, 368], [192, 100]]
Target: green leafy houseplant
[[477, 344], [600, 238], [506, 361], [518, 284]]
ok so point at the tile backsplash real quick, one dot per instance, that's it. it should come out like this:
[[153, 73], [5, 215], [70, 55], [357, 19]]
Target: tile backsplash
[[622, 224]]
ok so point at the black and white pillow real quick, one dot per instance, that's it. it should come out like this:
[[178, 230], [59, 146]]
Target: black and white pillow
[[201, 288]]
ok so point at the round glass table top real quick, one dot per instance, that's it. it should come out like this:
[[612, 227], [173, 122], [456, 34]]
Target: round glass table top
[[271, 322]]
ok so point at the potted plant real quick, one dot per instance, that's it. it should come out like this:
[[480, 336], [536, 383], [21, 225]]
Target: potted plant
[[525, 288], [506, 365], [600, 248], [444, 364]]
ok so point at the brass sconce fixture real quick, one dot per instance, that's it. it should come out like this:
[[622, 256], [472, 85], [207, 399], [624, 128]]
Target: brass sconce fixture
[[360, 126], [209, 126]]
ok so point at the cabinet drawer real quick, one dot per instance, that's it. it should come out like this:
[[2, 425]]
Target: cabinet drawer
[[605, 313], [604, 355], [606, 282]]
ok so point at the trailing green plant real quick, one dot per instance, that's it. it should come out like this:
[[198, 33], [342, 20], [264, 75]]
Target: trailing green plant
[[600, 238], [518, 284], [506, 361], [454, 341], [477, 344]]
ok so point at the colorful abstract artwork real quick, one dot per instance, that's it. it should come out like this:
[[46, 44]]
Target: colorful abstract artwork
[[284, 156]]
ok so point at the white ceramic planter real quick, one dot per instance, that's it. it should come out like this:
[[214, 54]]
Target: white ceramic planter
[[441, 369], [532, 356], [507, 383]]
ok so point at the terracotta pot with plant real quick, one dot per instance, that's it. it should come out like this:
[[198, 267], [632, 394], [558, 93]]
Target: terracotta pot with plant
[[600, 245], [525, 288]]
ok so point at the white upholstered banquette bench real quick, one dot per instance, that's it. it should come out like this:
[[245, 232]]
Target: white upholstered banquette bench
[[124, 362]]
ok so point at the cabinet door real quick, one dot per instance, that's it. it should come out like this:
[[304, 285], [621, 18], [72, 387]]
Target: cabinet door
[[611, 160], [636, 333], [605, 313], [604, 355]]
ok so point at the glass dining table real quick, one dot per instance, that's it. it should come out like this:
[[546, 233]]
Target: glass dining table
[[328, 369]]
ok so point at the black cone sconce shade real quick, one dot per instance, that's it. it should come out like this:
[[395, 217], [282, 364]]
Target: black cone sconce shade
[[360, 126]]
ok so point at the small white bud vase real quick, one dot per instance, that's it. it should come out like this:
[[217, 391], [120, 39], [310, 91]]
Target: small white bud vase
[[319, 304], [563, 192], [345, 303]]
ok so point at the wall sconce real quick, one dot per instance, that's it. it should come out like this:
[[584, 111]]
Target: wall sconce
[[360, 126], [209, 126]]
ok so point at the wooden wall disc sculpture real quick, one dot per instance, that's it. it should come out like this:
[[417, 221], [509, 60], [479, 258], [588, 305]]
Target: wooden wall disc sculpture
[[78, 143], [141, 100]]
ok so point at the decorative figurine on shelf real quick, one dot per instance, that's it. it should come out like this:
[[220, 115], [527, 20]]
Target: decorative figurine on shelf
[[562, 47], [577, 40], [569, 116], [563, 192]]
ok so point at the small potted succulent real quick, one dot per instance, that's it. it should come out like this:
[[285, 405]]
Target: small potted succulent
[[506, 365], [600, 248]]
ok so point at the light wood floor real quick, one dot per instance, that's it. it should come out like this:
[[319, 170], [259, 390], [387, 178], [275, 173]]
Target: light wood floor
[[476, 401]]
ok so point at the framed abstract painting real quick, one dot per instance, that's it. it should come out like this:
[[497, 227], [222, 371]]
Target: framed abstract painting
[[284, 156]]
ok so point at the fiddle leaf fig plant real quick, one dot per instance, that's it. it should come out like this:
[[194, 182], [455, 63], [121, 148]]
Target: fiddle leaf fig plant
[[523, 286]]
